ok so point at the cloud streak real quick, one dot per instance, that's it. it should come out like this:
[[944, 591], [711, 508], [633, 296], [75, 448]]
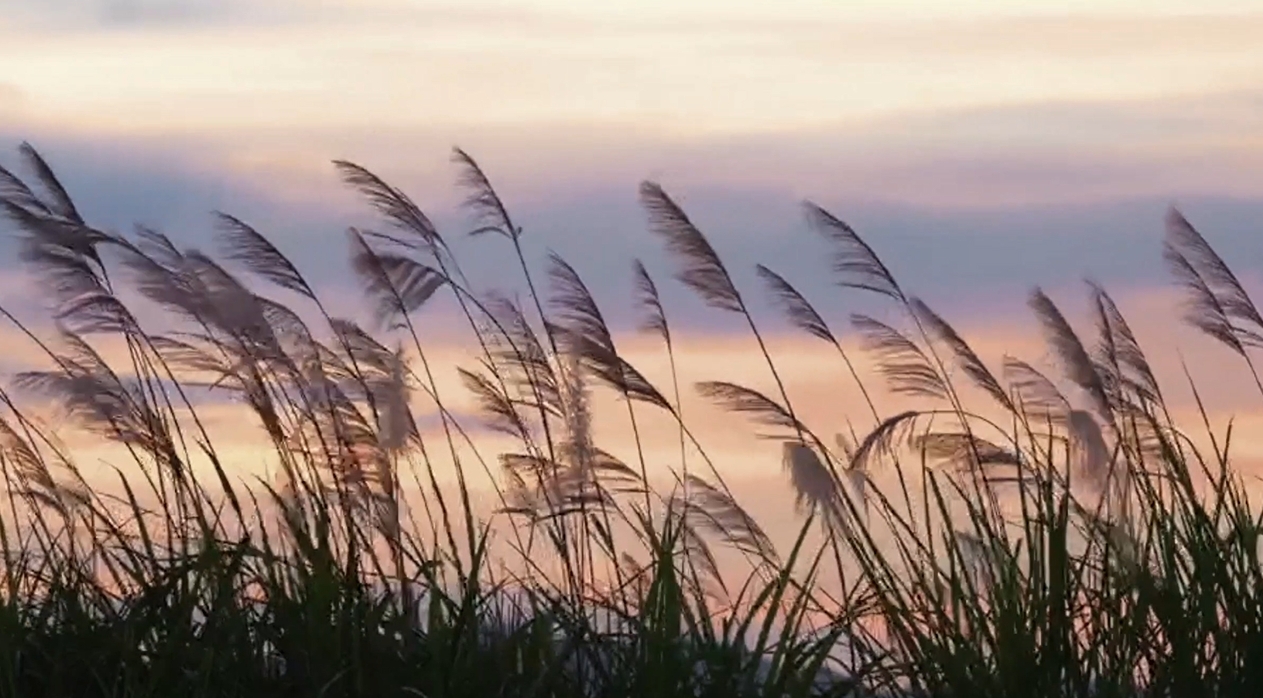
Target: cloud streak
[[78, 16], [335, 66]]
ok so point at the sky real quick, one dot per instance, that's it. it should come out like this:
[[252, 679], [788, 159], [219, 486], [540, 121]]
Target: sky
[[980, 146]]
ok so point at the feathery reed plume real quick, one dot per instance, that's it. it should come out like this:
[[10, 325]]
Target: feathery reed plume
[[965, 356], [714, 509], [165, 276], [18, 194], [492, 216], [1217, 305], [237, 306], [399, 284], [1089, 456], [742, 400], [882, 438], [155, 245], [1075, 360], [60, 204], [904, 365], [243, 244], [366, 353], [575, 307], [96, 311], [797, 309], [614, 371], [577, 446], [1118, 345], [1184, 238], [1036, 394], [390, 393], [965, 450], [655, 318], [803, 315], [98, 400], [378, 376], [36, 480], [64, 253], [196, 288], [497, 408], [483, 201], [395, 430], [1203, 309], [392, 203], [699, 554], [855, 263], [586, 336], [169, 283], [815, 488], [584, 483], [520, 357], [581, 463], [702, 270], [290, 330]]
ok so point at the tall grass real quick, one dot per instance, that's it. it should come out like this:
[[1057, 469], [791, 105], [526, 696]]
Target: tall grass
[[1035, 541]]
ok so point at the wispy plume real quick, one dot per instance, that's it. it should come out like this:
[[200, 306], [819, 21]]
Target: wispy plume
[[882, 439], [482, 200], [58, 202], [1232, 296], [1037, 395], [1119, 349], [969, 362], [965, 451], [905, 366], [1089, 455], [815, 487], [399, 284], [1075, 360], [717, 511], [750, 402], [799, 311], [393, 204], [702, 270], [1217, 303], [243, 244], [647, 298], [854, 262]]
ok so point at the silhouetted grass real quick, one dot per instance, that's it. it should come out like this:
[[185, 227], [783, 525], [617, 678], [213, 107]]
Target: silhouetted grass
[[1034, 545]]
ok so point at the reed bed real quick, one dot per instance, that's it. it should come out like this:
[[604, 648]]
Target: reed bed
[[1043, 533]]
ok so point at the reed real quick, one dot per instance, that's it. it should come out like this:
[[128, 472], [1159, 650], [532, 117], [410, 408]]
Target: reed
[[1033, 544]]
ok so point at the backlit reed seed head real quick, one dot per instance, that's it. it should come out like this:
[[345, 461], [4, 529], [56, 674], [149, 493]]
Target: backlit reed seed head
[[855, 475], [813, 485], [394, 419], [578, 416], [1089, 455]]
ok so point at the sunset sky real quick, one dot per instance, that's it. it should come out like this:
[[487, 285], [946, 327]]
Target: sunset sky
[[980, 146]]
